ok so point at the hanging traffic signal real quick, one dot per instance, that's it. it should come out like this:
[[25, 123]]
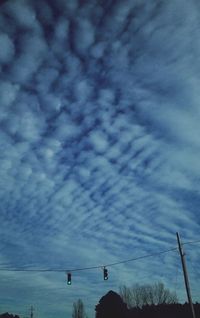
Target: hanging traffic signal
[[105, 273], [69, 279]]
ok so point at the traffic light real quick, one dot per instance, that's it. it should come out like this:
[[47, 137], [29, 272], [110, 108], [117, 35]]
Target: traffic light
[[105, 273], [69, 279]]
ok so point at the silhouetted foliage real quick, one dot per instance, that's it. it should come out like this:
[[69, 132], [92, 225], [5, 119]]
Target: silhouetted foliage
[[111, 306], [164, 311], [7, 315], [78, 309], [141, 295]]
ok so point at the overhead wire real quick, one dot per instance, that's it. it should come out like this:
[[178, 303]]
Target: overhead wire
[[94, 267], [191, 242], [85, 268]]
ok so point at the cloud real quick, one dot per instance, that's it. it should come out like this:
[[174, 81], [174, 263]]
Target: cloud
[[7, 49], [83, 36]]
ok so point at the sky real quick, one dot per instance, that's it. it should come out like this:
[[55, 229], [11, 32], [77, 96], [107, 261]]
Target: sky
[[99, 149]]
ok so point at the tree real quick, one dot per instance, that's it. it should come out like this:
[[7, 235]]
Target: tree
[[141, 295], [7, 315], [78, 309], [111, 306]]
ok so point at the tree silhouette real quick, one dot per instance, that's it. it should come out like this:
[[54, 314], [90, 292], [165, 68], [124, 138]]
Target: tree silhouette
[[141, 295], [164, 311], [111, 306], [7, 315], [78, 309]]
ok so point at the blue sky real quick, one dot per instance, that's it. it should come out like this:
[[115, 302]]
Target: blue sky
[[99, 148]]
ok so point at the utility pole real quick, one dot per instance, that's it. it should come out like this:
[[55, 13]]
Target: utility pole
[[185, 274]]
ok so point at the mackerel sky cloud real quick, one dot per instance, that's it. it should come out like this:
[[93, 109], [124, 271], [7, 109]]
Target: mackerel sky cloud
[[99, 147]]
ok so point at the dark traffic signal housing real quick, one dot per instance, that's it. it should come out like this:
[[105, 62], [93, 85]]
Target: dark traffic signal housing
[[69, 279], [105, 274]]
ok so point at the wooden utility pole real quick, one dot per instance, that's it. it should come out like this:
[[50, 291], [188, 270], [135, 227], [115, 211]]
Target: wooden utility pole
[[185, 274]]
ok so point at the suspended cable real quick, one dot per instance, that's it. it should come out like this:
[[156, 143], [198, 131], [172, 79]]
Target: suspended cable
[[85, 268], [191, 242], [94, 267]]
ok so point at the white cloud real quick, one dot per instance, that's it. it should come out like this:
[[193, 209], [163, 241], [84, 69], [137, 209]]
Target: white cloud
[[7, 49], [23, 14], [98, 140], [8, 93], [84, 36]]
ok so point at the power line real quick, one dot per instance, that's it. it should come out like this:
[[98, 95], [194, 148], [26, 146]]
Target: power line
[[86, 268], [94, 267], [191, 242]]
